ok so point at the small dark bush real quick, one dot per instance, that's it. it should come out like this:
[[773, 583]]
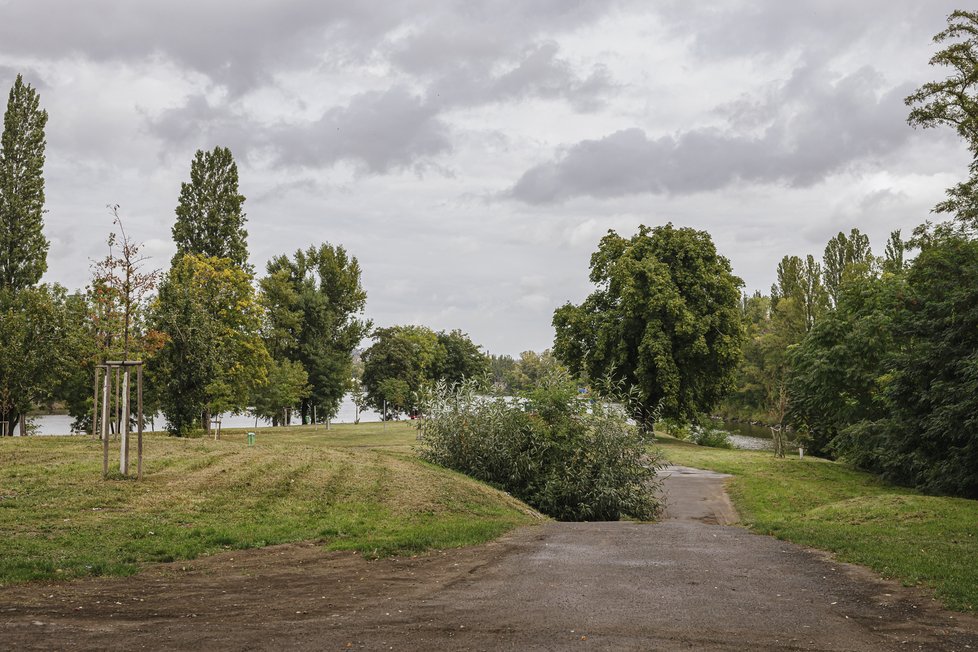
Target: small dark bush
[[570, 457]]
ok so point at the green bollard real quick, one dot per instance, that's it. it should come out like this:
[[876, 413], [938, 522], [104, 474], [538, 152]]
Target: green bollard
[[251, 439]]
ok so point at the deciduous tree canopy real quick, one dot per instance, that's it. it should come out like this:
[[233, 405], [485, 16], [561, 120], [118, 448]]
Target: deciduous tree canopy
[[214, 357], [314, 304], [953, 102], [404, 359], [664, 319]]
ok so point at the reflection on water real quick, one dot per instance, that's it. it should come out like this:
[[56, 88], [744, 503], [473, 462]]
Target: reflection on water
[[60, 424]]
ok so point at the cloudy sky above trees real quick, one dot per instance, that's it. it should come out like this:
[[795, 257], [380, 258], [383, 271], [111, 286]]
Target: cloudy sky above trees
[[472, 154]]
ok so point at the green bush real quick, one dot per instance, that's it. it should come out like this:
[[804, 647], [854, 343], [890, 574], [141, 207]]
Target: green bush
[[712, 437], [572, 458]]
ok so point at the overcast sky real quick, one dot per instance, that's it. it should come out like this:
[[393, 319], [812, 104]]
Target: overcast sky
[[471, 155]]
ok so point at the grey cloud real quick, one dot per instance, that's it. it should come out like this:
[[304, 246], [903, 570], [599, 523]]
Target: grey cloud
[[542, 74], [31, 76], [775, 27], [812, 127], [377, 131], [482, 33], [382, 131], [200, 124], [241, 45], [236, 45], [538, 72]]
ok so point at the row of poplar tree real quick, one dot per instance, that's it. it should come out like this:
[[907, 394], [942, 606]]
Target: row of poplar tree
[[213, 340]]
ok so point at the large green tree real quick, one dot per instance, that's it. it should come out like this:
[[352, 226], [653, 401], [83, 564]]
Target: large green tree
[[953, 102], [314, 317], [664, 319], [23, 247], [397, 365], [210, 220], [838, 372], [760, 387], [930, 439], [404, 359], [532, 369], [287, 385], [214, 357], [459, 358], [36, 341]]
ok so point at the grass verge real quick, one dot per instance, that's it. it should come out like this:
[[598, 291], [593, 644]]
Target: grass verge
[[899, 533], [351, 487]]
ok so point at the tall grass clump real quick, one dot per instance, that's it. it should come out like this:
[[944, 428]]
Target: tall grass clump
[[573, 457]]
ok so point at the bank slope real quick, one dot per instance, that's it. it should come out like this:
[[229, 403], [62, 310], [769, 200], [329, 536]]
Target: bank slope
[[61, 520]]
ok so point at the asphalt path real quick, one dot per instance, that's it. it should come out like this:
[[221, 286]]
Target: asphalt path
[[688, 582]]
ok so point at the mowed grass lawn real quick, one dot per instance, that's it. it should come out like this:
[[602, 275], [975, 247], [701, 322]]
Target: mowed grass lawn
[[899, 533], [351, 487]]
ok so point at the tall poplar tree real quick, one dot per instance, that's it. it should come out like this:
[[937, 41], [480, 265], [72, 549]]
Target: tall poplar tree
[[23, 247], [801, 280], [210, 220], [846, 257], [207, 309]]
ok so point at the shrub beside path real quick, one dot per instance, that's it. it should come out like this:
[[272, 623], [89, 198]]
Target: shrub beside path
[[687, 582]]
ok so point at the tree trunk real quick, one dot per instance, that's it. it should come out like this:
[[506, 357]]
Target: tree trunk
[[14, 419], [207, 422]]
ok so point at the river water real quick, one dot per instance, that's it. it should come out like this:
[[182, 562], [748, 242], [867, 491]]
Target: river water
[[751, 437], [60, 424], [742, 435], [747, 436]]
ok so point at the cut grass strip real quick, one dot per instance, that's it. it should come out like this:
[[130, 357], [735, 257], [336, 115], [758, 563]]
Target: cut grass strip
[[899, 533]]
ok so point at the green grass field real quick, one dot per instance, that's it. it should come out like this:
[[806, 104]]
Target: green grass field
[[351, 487], [918, 539]]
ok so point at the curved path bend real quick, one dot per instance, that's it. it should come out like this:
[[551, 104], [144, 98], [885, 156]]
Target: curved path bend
[[689, 582]]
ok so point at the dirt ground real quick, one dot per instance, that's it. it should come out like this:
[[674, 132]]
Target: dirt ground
[[688, 582]]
